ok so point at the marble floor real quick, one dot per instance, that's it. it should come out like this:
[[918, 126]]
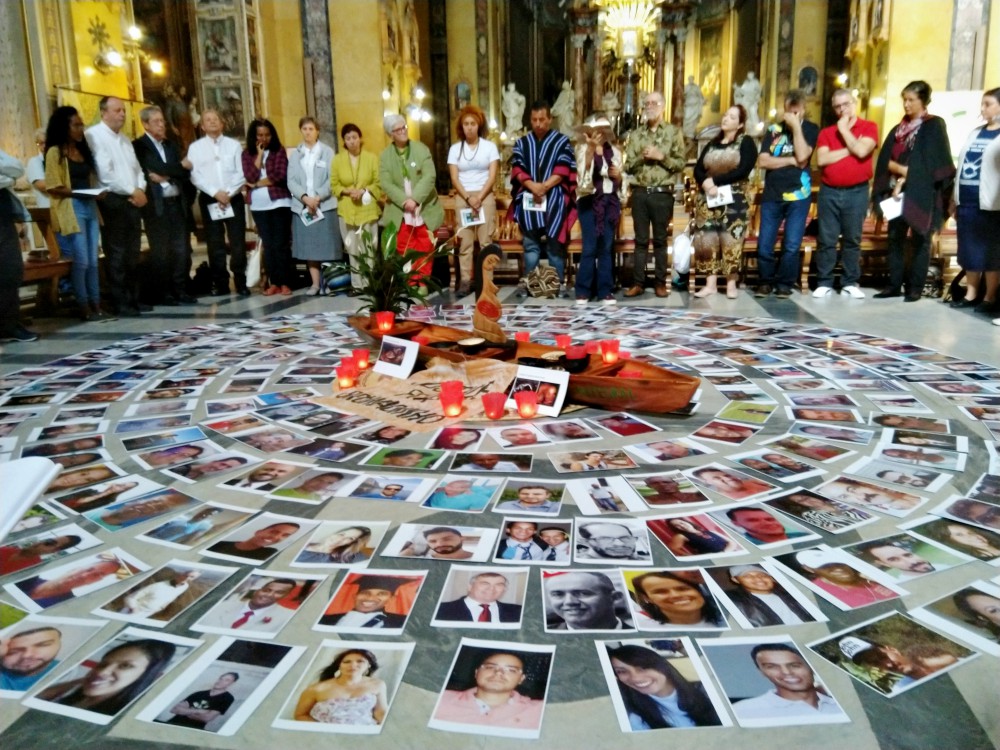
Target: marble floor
[[959, 709]]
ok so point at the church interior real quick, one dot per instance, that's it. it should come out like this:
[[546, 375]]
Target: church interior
[[357, 61]]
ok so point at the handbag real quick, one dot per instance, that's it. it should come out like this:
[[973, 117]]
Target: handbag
[[253, 265]]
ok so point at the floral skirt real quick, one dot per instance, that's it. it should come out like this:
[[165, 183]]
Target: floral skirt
[[717, 238]]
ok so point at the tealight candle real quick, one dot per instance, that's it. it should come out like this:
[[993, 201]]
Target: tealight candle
[[563, 341], [522, 336], [609, 350], [346, 375], [527, 403], [451, 402], [493, 404], [385, 320], [453, 387], [361, 358]]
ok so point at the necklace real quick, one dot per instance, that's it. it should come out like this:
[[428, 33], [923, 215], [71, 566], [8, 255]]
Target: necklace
[[474, 152]]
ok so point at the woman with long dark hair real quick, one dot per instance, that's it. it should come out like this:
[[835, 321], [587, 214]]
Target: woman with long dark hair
[[669, 599], [69, 166], [915, 163], [265, 167], [719, 231], [655, 694], [346, 692], [122, 675]]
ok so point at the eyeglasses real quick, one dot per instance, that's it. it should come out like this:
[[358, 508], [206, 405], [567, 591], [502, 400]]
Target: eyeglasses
[[613, 539], [841, 105], [400, 129], [653, 104], [505, 669]]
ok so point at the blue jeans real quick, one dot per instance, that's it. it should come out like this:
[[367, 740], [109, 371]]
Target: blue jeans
[[531, 239], [81, 248], [841, 215], [596, 254], [784, 272]]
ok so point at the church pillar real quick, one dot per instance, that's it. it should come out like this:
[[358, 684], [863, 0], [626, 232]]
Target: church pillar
[[319, 64], [579, 78], [659, 75], [677, 97]]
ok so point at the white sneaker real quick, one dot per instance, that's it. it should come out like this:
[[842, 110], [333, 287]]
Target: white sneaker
[[996, 321], [581, 301], [853, 292], [821, 291]]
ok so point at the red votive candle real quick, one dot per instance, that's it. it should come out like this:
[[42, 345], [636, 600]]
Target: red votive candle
[[451, 402], [563, 341], [493, 404], [452, 387], [527, 403], [421, 340], [576, 352], [346, 375], [522, 336], [609, 350], [625, 355], [385, 320], [590, 347], [361, 358]]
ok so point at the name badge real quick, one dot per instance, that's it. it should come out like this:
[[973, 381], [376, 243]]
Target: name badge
[[321, 164]]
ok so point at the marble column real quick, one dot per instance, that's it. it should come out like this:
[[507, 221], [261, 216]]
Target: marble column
[[659, 75], [579, 77], [316, 49], [17, 108], [677, 97]]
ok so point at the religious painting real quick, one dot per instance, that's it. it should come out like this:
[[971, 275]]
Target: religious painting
[[228, 99], [218, 46], [710, 66]]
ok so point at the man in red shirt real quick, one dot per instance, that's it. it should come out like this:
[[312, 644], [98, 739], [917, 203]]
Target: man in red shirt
[[844, 154]]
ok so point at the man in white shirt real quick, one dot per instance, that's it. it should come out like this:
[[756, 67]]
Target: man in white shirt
[[261, 613], [795, 693], [217, 172], [118, 171], [166, 215]]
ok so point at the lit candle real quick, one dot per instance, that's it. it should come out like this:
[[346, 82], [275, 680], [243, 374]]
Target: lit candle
[[590, 347], [522, 336], [527, 403], [346, 375], [609, 350], [493, 404], [453, 387], [576, 352], [563, 341], [451, 402], [361, 358], [385, 320]]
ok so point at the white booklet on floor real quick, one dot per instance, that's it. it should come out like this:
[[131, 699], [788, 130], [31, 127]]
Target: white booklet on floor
[[892, 208], [218, 212]]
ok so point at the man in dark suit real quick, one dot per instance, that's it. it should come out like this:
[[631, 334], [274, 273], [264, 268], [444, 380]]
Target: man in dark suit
[[165, 215], [374, 592], [762, 600], [480, 603]]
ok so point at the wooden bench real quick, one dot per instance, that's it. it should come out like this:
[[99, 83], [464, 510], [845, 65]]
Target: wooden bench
[[46, 271]]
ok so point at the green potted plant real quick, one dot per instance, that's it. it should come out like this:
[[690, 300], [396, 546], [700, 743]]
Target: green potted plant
[[388, 277]]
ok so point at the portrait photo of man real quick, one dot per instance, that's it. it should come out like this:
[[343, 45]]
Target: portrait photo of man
[[487, 601], [371, 601], [585, 601]]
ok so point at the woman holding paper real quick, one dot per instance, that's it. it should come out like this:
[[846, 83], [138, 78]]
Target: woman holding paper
[[69, 166], [977, 196], [265, 167], [914, 166], [473, 163], [720, 216], [599, 181], [316, 227], [354, 182]]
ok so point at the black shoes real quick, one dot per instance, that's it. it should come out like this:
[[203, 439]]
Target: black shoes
[[783, 292], [243, 292], [887, 293], [20, 333], [963, 303], [912, 297], [764, 290], [187, 299]]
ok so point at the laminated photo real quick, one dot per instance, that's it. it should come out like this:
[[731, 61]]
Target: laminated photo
[[660, 684], [348, 688], [482, 598], [769, 682]]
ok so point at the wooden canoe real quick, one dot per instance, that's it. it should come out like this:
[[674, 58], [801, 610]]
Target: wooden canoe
[[648, 388]]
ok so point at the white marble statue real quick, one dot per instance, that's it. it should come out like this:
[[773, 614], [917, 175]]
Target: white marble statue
[[748, 94], [513, 110], [694, 102], [563, 111]]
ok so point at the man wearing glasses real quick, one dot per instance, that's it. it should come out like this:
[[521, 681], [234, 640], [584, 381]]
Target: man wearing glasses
[[495, 699], [844, 154], [654, 155]]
